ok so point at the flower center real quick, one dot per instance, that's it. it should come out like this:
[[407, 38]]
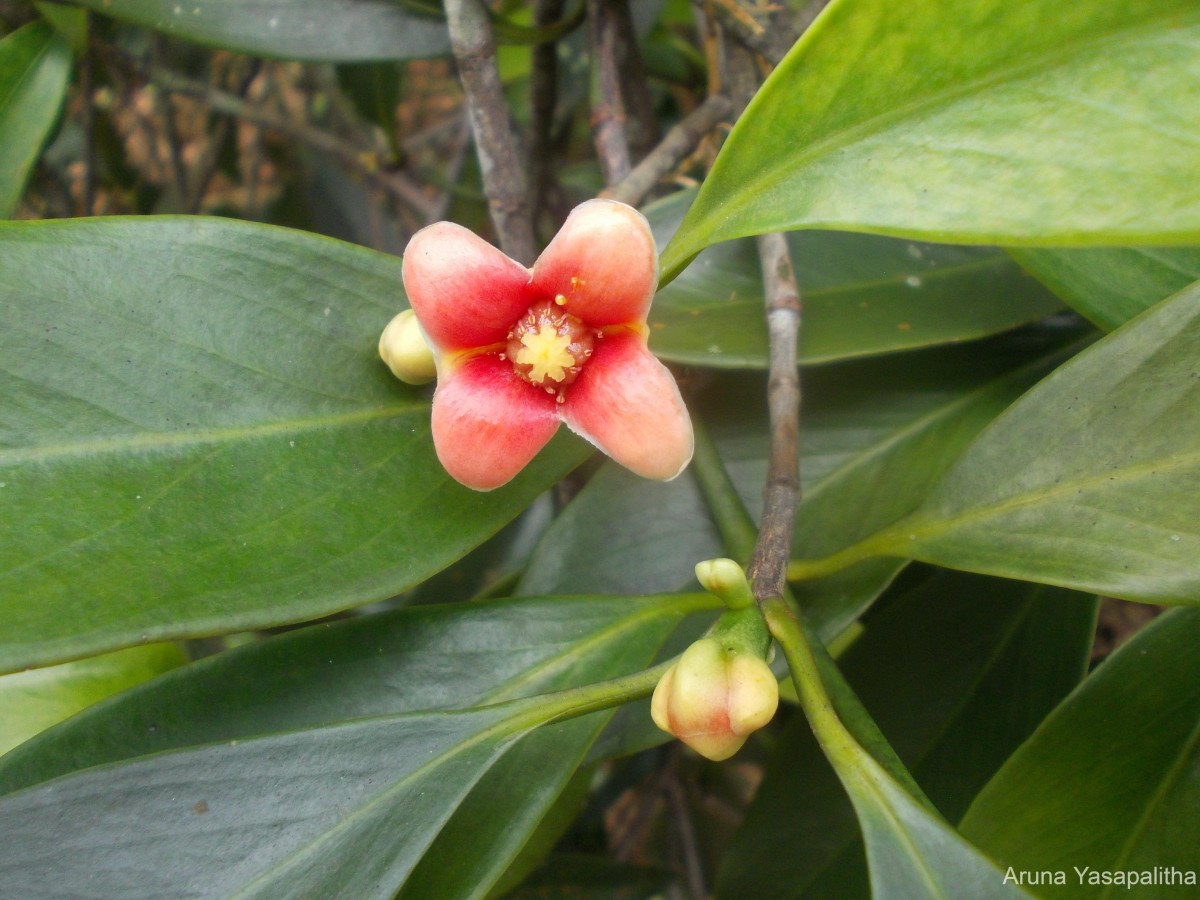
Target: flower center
[[548, 346]]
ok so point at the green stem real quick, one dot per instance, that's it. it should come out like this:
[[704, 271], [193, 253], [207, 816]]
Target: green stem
[[738, 533], [878, 544], [589, 698], [843, 727]]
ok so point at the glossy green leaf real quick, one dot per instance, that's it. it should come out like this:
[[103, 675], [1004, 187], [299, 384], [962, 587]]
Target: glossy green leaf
[[863, 295], [1111, 285], [196, 436], [1111, 781], [35, 65], [978, 121], [912, 852], [403, 770], [957, 671], [901, 421], [416, 658], [318, 30], [1091, 480], [33, 700]]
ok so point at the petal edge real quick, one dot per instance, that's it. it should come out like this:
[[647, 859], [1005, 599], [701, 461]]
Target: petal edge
[[604, 262], [487, 423], [627, 403], [465, 292]]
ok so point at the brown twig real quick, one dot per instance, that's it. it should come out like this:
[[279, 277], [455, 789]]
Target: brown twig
[[206, 166], [767, 31], [608, 107], [170, 127], [681, 816], [543, 101], [229, 104], [504, 181], [88, 124], [679, 142], [781, 494], [641, 128]]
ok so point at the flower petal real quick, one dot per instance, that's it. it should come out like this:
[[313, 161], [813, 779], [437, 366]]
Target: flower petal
[[604, 263], [488, 423], [466, 293], [627, 404]]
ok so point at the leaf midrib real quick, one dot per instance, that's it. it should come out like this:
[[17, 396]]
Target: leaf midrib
[[149, 442], [932, 526], [678, 605]]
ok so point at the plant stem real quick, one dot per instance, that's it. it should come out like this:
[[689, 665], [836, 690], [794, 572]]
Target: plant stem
[[781, 494], [495, 143], [642, 124], [679, 142], [770, 36], [543, 100], [738, 533], [88, 123], [608, 107], [226, 103], [210, 156]]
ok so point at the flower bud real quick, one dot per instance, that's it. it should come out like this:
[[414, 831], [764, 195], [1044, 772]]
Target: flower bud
[[403, 348], [714, 697], [727, 580]]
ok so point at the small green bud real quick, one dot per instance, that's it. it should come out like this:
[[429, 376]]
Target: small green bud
[[727, 580], [402, 346], [714, 697]]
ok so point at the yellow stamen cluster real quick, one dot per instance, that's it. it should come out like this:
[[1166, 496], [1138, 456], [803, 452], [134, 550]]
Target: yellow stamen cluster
[[545, 352], [548, 346]]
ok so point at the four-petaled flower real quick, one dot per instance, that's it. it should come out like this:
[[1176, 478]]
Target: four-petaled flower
[[518, 350]]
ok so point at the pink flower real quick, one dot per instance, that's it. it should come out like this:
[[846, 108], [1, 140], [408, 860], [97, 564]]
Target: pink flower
[[519, 350]]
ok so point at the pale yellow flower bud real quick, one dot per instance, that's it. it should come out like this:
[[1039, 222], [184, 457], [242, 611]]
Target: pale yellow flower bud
[[727, 580], [402, 346], [713, 698]]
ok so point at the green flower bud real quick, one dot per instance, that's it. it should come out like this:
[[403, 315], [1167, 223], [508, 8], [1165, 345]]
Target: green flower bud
[[714, 697], [402, 346], [727, 580]]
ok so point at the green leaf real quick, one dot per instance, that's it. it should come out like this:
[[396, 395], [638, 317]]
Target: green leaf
[[912, 852], [317, 30], [1111, 285], [196, 436], [957, 671], [251, 737], [863, 295], [1089, 481], [417, 658], [1111, 781], [32, 701], [35, 66], [977, 121], [900, 421]]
